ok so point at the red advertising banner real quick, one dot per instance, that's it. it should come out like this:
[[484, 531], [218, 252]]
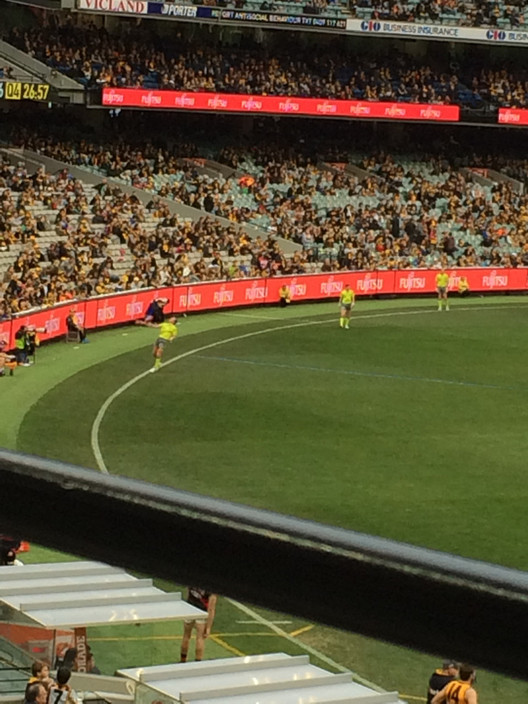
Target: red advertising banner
[[131, 306], [5, 333], [276, 105], [513, 116], [226, 294]]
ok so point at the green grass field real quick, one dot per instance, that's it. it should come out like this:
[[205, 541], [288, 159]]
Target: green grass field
[[411, 425]]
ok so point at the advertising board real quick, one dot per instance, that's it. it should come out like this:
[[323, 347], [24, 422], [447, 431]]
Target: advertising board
[[127, 307]]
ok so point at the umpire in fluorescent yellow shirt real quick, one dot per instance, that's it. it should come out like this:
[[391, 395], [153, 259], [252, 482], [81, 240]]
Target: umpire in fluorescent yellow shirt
[[347, 301], [442, 285], [167, 333]]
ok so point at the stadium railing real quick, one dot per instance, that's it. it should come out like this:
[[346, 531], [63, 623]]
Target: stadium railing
[[411, 596]]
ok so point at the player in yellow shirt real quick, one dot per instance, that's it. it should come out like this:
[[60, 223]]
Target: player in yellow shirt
[[167, 333], [442, 284], [347, 301]]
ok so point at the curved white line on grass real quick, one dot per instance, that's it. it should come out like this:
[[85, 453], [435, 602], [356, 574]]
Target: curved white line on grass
[[94, 438], [96, 448]]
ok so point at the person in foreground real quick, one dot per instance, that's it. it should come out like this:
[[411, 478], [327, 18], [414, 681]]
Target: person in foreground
[[440, 677], [167, 333], [346, 303], [61, 692], [207, 602], [36, 693], [460, 690]]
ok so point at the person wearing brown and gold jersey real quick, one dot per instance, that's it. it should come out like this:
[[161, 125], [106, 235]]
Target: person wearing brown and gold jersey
[[459, 691]]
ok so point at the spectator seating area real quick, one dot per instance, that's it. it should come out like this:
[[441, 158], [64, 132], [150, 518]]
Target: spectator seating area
[[61, 238], [408, 214], [481, 13], [97, 59]]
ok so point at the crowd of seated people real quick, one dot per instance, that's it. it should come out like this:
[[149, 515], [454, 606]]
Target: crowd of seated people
[[92, 56], [503, 86], [290, 196], [403, 215], [97, 59], [62, 253], [481, 13]]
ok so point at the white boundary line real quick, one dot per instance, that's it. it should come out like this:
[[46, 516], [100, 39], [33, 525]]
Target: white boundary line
[[94, 437]]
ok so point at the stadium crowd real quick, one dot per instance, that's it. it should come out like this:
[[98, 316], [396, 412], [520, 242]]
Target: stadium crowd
[[481, 13], [393, 214], [135, 58], [92, 56], [97, 59], [58, 235]]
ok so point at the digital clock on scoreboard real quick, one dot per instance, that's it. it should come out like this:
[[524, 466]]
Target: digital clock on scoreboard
[[18, 90]]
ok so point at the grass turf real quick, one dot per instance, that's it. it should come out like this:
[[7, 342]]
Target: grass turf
[[408, 426]]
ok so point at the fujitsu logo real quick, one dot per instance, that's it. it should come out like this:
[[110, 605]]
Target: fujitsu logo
[[412, 282], [106, 313], [495, 280], [288, 106], [184, 101], [326, 107], [134, 308], [430, 113], [509, 116], [217, 102], [297, 289], [255, 293], [112, 97], [183, 300], [395, 111], [223, 296], [369, 283], [194, 299], [150, 98], [360, 109], [252, 104], [331, 286], [454, 280]]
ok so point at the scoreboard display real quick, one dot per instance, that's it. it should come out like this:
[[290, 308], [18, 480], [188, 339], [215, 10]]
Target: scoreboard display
[[19, 90]]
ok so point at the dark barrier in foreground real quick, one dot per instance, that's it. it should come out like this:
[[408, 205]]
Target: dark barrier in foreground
[[411, 596]]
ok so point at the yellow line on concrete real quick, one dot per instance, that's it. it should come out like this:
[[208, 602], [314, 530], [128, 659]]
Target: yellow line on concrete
[[225, 645], [113, 639], [298, 632]]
